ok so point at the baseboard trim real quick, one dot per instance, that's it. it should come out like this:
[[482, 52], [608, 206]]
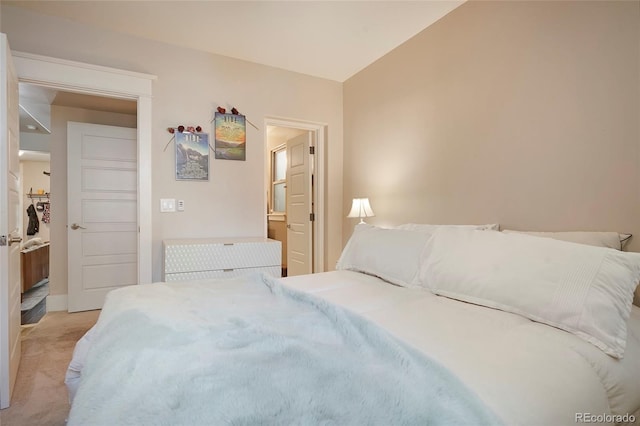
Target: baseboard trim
[[57, 302]]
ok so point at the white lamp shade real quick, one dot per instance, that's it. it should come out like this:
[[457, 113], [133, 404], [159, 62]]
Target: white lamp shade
[[361, 208]]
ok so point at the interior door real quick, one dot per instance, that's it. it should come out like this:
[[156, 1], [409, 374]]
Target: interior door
[[102, 232], [299, 205], [10, 232]]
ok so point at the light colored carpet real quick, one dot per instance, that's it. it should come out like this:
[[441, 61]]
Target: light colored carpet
[[40, 396]]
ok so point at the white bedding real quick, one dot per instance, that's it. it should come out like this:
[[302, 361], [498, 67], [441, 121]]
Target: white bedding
[[253, 351], [528, 373]]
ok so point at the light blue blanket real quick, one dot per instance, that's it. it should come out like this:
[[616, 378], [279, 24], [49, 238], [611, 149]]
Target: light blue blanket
[[253, 352]]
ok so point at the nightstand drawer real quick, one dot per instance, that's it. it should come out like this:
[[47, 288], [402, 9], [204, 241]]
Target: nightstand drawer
[[208, 258], [275, 271]]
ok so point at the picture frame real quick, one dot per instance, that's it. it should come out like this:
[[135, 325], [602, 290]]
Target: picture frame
[[192, 156], [230, 136]]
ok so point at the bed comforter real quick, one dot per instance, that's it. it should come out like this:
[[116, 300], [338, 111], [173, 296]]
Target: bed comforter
[[528, 373], [252, 351]]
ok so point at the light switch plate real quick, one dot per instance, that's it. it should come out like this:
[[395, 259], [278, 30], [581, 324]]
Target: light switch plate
[[167, 205], [180, 205]]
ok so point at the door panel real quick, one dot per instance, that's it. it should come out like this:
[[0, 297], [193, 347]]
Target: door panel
[[10, 279], [112, 243], [108, 211], [299, 206], [103, 209], [100, 277], [95, 179], [107, 147]]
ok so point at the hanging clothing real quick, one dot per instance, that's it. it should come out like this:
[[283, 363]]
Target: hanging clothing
[[34, 223], [46, 214]]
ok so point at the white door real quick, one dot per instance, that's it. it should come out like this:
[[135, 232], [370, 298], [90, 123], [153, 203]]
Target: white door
[[102, 229], [299, 205], [10, 232]]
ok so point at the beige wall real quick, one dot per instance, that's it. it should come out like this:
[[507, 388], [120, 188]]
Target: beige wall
[[32, 178], [521, 113], [189, 87]]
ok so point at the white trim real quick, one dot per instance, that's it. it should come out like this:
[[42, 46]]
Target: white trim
[[319, 130], [103, 81], [57, 302], [74, 64], [145, 240], [81, 77]]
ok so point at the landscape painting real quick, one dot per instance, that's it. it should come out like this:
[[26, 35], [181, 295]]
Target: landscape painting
[[192, 156], [231, 133]]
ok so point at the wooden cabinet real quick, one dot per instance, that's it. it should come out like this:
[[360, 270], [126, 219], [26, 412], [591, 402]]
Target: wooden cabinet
[[198, 259], [277, 230], [35, 265]]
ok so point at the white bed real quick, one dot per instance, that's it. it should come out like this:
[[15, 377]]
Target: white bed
[[528, 373], [523, 371]]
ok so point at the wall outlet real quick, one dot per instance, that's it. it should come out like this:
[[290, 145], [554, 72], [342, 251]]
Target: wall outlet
[[167, 205], [180, 205]]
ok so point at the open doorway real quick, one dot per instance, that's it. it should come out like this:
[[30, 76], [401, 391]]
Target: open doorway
[[45, 113], [295, 194], [77, 78], [278, 226], [35, 248]]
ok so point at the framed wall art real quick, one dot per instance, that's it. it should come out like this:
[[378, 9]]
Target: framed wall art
[[192, 156], [231, 135]]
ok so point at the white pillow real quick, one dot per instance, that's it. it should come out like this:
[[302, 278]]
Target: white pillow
[[612, 240], [391, 254], [582, 289], [424, 227]]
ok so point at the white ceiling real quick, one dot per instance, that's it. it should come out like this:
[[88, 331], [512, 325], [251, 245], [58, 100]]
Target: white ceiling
[[328, 39]]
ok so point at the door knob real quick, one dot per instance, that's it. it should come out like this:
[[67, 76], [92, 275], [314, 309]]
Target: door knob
[[75, 226], [14, 240], [7, 240]]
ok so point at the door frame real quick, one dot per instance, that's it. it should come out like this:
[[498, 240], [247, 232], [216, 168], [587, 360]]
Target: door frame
[[319, 131], [78, 77]]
